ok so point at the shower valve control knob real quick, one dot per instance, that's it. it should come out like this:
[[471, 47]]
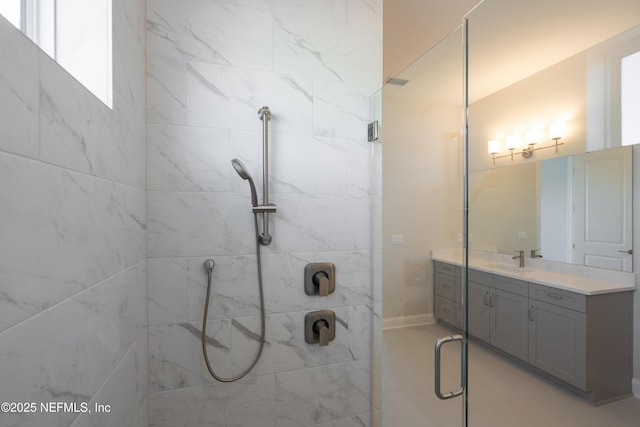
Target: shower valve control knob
[[320, 327], [320, 278]]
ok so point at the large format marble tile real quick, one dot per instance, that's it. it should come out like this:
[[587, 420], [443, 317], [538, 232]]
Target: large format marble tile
[[73, 124], [79, 132], [319, 395], [329, 50], [44, 257], [123, 398], [66, 353], [190, 224], [229, 98], [117, 235], [234, 287], [123, 158], [340, 110], [248, 403], [166, 89], [304, 164], [362, 420], [285, 347], [181, 158], [234, 291], [19, 91], [320, 222], [129, 60], [214, 32], [167, 289], [175, 354]]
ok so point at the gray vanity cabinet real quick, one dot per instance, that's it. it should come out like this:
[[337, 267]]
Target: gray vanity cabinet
[[447, 289], [479, 311], [509, 323], [583, 342], [557, 342], [497, 316]]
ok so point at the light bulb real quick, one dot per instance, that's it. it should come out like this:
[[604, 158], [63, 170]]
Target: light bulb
[[494, 146]]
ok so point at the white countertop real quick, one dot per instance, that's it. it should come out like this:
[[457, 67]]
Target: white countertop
[[582, 282]]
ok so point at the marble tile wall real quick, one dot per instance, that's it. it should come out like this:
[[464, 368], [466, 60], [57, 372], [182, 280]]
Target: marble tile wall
[[211, 64], [73, 273]]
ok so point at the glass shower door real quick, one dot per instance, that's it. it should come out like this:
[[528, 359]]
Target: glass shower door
[[421, 122], [545, 167]]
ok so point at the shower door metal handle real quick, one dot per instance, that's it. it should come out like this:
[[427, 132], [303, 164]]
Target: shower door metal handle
[[439, 344]]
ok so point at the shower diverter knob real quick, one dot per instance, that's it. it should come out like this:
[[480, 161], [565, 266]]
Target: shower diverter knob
[[321, 281], [320, 327], [320, 278]]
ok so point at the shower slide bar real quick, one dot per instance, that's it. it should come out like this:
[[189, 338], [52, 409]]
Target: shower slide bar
[[265, 238]]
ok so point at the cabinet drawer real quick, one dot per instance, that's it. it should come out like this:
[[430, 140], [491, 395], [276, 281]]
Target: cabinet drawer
[[480, 277], [559, 297], [448, 269], [448, 311], [447, 286], [515, 286]]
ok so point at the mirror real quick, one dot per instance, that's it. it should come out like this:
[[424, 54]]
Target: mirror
[[594, 95], [574, 65], [574, 209]]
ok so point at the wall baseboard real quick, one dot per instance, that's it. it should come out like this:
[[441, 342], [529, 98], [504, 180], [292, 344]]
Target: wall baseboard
[[635, 387], [405, 321]]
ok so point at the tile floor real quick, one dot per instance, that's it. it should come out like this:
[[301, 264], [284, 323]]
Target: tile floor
[[501, 394]]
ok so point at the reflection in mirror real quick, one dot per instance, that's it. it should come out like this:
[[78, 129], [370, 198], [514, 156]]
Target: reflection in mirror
[[523, 187], [574, 209], [592, 96], [76, 34]]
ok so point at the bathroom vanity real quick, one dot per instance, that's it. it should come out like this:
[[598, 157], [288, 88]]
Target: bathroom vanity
[[575, 331]]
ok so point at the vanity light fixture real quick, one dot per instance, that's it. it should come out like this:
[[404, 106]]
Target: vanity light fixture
[[533, 138], [556, 132], [494, 148]]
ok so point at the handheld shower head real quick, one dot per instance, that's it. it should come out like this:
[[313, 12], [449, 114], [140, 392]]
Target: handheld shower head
[[244, 174], [241, 169]]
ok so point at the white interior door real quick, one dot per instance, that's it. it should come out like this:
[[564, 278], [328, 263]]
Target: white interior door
[[603, 209]]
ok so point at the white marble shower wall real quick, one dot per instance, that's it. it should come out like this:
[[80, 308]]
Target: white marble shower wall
[[73, 233], [210, 66]]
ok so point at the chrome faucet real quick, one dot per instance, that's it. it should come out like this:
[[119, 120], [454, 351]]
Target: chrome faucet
[[520, 256]]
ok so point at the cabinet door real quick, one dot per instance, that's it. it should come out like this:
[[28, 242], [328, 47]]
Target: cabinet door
[[557, 342], [510, 323], [448, 311], [479, 311]]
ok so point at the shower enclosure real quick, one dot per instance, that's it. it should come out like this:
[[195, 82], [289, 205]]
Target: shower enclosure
[[479, 149]]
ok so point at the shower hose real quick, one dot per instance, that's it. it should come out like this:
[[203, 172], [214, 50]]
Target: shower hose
[[209, 267]]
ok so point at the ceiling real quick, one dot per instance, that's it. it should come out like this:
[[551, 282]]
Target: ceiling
[[509, 40], [412, 27]]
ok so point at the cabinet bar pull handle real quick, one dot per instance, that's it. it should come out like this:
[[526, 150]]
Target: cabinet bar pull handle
[[439, 343], [486, 301], [530, 313], [554, 296], [491, 300]]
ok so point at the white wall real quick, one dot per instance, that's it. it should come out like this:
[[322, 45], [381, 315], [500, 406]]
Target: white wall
[[421, 187], [73, 220], [211, 66], [503, 202]]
